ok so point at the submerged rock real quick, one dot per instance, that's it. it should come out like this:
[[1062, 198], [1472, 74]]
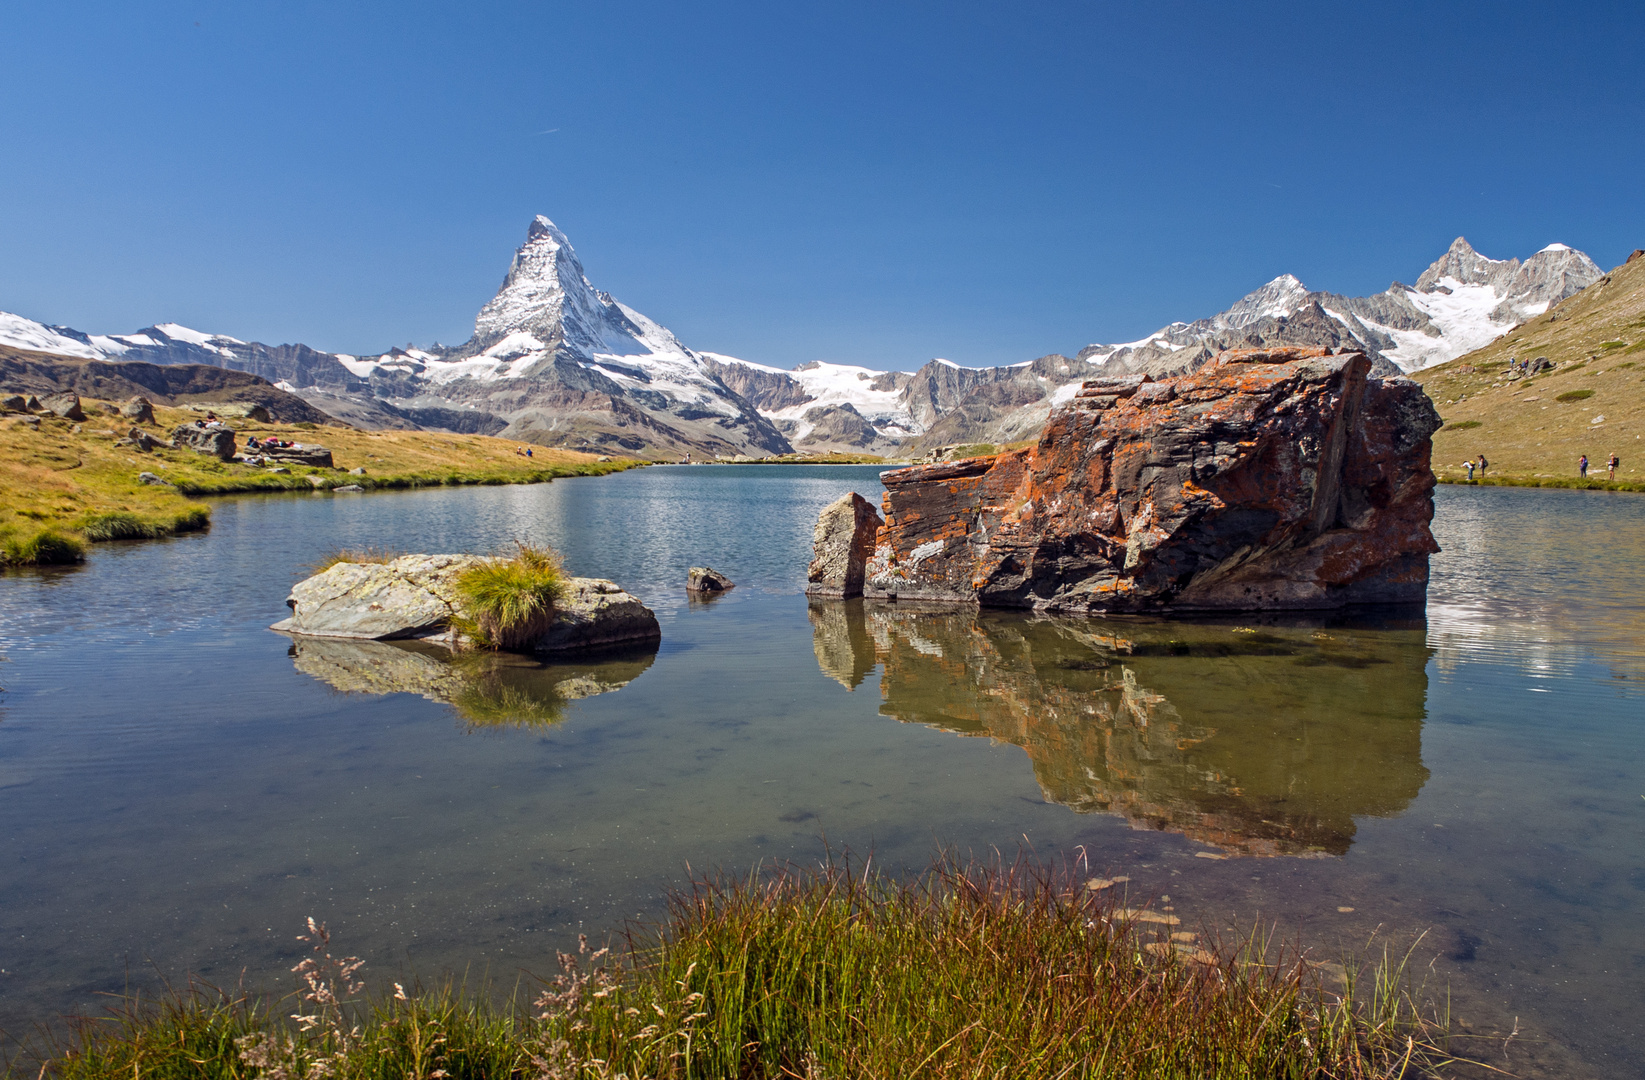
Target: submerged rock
[[1272, 479], [415, 596], [843, 544], [703, 579]]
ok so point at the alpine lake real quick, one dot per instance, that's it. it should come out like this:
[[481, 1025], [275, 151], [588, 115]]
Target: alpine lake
[[180, 788]]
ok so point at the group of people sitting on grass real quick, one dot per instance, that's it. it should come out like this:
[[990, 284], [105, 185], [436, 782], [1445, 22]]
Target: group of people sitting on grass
[[522, 451], [254, 443]]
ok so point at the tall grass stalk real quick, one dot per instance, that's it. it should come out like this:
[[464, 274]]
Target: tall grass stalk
[[965, 971]]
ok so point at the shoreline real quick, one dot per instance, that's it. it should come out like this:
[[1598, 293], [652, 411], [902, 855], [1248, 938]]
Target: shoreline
[[1572, 483]]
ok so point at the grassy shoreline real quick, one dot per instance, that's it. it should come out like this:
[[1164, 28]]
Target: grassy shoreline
[[831, 972], [64, 485], [1571, 482]]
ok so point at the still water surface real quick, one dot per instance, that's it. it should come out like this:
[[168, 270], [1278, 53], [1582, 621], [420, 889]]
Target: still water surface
[[180, 787]]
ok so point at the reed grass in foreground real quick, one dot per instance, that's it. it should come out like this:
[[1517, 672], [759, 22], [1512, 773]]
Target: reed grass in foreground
[[965, 971]]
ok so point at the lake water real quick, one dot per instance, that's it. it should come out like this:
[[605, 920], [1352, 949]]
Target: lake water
[[180, 787]]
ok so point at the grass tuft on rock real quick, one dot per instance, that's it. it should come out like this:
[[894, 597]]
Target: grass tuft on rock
[[508, 603], [964, 971]]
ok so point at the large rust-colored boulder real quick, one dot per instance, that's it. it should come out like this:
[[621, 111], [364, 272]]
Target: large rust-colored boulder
[[1270, 479], [843, 543]]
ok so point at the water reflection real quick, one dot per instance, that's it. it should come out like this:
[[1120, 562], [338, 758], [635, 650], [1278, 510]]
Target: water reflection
[[1258, 740], [485, 689]]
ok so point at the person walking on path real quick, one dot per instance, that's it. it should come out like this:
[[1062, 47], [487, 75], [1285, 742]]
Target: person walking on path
[[1612, 465], [1582, 466]]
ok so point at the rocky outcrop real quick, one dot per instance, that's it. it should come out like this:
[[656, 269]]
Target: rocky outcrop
[[65, 405], [704, 579], [1277, 479], [139, 410], [415, 596], [215, 440], [310, 454], [843, 544], [13, 403]]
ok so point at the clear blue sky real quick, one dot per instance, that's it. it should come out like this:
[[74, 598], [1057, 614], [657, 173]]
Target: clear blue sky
[[876, 183]]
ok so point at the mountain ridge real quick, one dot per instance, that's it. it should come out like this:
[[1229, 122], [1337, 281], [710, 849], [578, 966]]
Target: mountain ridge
[[555, 361]]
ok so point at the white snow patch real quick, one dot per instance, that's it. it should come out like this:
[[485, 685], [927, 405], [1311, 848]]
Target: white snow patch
[[1555, 247], [21, 333]]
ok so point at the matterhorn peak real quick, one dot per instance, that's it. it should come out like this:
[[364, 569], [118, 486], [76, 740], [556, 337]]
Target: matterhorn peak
[[545, 286]]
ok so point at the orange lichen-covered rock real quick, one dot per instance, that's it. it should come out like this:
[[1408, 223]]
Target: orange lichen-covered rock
[[1270, 479]]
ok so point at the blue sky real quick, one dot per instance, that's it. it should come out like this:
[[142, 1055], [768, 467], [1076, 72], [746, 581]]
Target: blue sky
[[873, 183]]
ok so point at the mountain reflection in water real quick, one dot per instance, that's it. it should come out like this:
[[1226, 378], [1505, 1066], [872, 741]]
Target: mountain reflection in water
[[1260, 740], [486, 689]]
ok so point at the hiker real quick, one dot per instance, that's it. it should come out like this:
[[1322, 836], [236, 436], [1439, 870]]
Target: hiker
[[1582, 467], [1482, 464], [1469, 465], [1612, 465], [528, 451]]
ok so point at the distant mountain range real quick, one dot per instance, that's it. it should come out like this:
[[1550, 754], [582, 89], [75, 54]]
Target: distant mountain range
[[557, 362]]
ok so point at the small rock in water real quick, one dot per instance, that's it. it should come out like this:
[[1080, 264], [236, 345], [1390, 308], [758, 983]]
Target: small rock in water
[[702, 579], [1208, 855], [1184, 935], [1144, 915], [347, 489], [1345, 910], [1098, 883]]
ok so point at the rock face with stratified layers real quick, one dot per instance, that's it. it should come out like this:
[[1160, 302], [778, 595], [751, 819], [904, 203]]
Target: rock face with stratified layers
[[1271, 479]]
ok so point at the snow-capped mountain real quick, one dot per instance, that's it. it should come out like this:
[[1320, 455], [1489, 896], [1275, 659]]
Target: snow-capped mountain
[[555, 361]]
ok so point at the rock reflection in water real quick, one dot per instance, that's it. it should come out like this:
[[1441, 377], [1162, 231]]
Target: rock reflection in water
[[1257, 739], [486, 689]]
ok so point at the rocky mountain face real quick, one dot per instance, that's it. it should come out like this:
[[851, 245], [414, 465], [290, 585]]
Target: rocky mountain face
[[557, 362]]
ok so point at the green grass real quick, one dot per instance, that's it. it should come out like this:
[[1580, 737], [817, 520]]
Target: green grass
[[1464, 425], [836, 972], [1607, 346], [1588, 483], [508, 603], [1574, 395], [41, 547], [126, 525]]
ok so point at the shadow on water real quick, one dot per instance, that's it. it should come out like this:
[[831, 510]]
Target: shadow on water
[[485, 689], [1261, 741]]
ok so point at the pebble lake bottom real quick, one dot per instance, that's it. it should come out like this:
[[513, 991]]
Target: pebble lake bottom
[[180, 787]]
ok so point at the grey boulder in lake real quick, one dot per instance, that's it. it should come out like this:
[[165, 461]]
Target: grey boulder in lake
[[415, 596], [705, 579], [843, 543]]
